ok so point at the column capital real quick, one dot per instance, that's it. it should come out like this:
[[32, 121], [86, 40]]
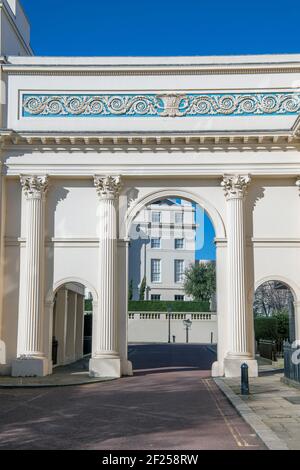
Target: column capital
[[34, 186], [235, 186], [108, 187]]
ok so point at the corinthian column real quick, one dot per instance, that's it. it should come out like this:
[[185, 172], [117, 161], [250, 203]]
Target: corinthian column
[[235, 187], [31, 358], [105, 355]]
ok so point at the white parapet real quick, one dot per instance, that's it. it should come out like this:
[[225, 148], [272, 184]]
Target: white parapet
[[148, 327]]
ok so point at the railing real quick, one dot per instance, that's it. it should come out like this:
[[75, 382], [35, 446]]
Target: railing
[[267, 349], [270, 349], [174, 316], [201, 316], [149, 316], [291, 362]]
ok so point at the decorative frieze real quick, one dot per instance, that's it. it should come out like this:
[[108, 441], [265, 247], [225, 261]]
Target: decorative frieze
[[160, 105], [235, 186]]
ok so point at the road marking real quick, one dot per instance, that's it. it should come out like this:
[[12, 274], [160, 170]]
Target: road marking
[[240, 441]]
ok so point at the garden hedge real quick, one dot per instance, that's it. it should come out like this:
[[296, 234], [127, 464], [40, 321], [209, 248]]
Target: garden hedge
[[162, 306]]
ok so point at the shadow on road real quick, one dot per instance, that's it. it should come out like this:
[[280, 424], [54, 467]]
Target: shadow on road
[[162, 358]]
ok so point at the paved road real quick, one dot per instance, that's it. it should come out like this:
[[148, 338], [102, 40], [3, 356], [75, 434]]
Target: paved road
[[168, 357], [171, 403]]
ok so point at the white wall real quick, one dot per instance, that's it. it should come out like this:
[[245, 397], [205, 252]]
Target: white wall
[[155, 330]]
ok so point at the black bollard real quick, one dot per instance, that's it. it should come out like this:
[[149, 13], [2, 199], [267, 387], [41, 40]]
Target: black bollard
[[244, 379]]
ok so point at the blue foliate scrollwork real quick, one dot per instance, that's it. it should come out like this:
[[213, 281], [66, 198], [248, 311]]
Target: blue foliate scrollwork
[[160, 105]]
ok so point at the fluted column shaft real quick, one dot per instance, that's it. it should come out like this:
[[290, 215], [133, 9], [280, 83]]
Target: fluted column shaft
[[35, 189], [235, 191], [105, 343]]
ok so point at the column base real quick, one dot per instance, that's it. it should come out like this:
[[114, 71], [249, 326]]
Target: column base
[[105, 367], [232, 366], [31, 367], [217, 370], [127, 368]]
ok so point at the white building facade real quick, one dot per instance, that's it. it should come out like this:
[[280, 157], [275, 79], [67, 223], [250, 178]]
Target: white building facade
[[86, 143], [162, 247]]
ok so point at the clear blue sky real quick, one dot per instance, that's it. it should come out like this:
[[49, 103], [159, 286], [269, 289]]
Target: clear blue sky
[[163, 27]]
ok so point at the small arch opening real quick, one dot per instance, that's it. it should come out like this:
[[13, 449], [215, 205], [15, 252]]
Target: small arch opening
[[72, 324], [274, 318]]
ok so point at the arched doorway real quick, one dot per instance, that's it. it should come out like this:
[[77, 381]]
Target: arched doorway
[[274, 317], [72, 323], [171, 246]]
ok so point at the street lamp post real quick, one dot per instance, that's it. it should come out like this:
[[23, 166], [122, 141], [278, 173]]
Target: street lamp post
[[169, 323], [188, 325]]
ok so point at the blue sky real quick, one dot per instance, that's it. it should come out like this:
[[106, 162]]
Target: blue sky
[[205, 246], [163, 27]]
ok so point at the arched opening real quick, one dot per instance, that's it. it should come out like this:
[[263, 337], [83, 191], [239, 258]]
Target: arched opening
[[172, 283], [274, 318], [72, 324]]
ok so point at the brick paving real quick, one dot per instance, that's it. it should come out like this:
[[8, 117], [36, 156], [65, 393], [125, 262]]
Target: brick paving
[[170, 403]]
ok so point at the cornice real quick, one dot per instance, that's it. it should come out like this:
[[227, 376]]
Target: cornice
[[150, 141], [141, 70]]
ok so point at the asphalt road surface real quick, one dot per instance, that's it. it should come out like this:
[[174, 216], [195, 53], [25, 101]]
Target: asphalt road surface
[[170, 403]]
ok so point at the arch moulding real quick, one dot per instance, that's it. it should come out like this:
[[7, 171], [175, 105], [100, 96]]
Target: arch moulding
[[212, 212], [294, 287], [66, 280]]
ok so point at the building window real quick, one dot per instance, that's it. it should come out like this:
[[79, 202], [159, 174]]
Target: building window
[[155, 270], [155, 296], [155, 242], [178, 218], [179, 243], [179, 297], [156, 217], [179, 270]]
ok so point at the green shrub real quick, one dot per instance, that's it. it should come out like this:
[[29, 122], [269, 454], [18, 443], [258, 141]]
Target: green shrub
[[162, 306], [275, 327], [283, 324], [88, 305], [265, 328]]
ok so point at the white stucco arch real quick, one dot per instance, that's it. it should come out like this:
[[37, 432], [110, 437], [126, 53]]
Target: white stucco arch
[[294, 288], [277, 277], [211, 211], [78, 280]]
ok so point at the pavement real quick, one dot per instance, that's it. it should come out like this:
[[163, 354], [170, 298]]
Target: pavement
[[170, 403], [73, 374], [272, 408]]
